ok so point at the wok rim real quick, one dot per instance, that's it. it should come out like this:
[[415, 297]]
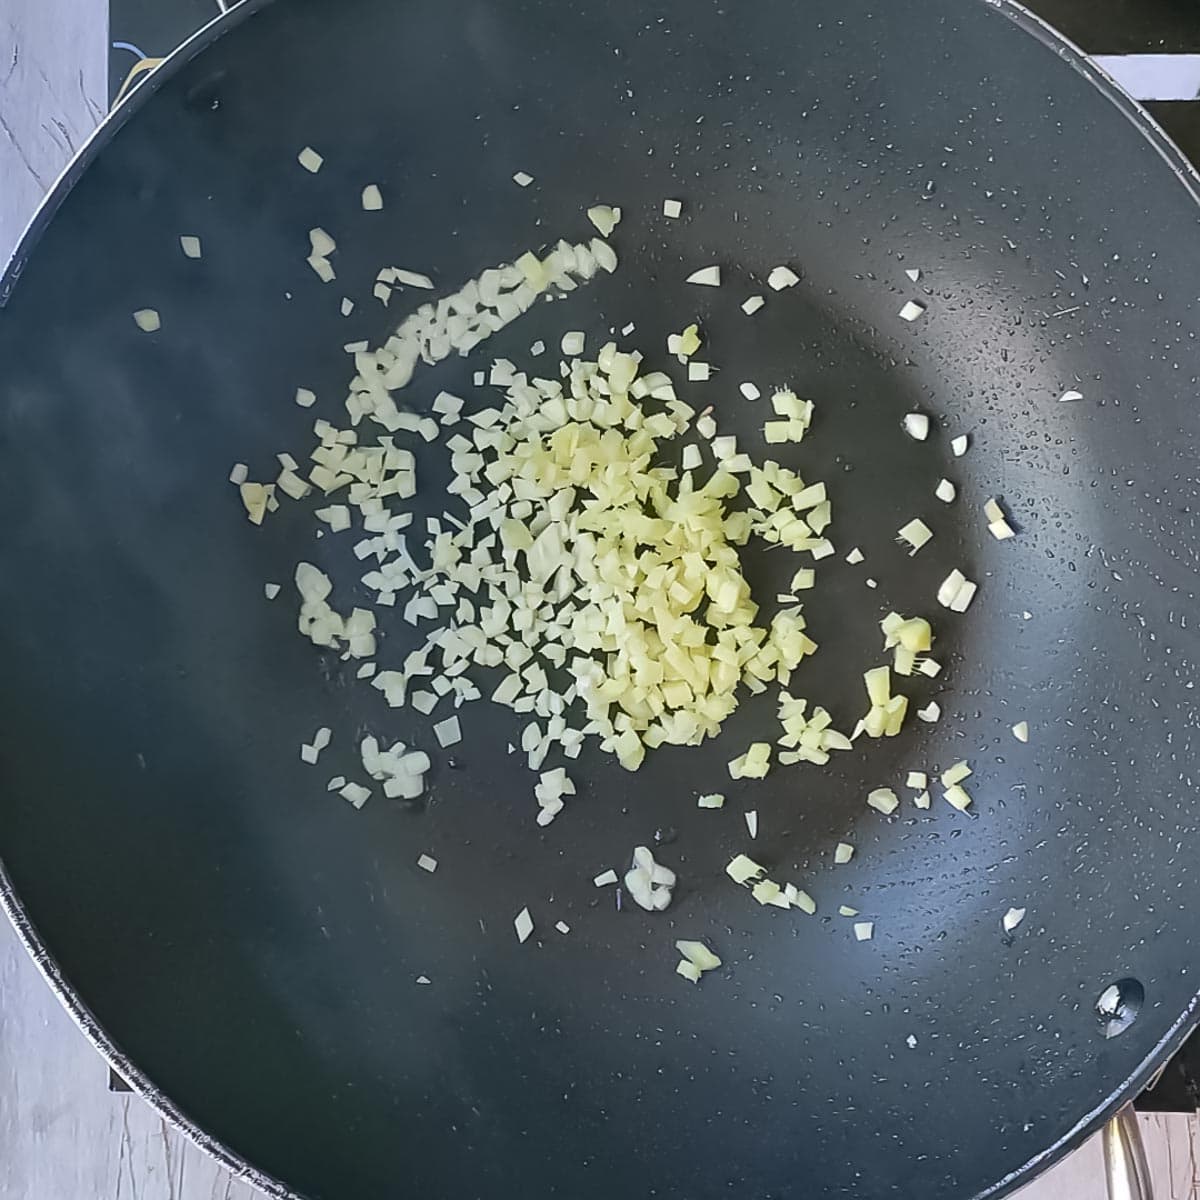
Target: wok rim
[[241, 1168]]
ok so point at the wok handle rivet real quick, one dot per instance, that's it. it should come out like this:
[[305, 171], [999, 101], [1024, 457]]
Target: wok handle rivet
[[1118, 1006]]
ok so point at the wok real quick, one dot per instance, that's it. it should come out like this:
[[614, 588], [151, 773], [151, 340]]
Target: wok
[[245, 946]]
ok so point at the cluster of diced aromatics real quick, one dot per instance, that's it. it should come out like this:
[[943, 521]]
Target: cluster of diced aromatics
[[583, 553]]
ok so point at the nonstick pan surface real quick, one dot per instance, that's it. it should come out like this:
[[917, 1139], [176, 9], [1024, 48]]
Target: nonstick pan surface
[[247, 946]]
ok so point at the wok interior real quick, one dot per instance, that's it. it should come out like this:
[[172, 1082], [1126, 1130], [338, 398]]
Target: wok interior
[[252, 943]]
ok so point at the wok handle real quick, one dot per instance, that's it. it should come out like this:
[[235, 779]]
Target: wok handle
[[1125, 1169]]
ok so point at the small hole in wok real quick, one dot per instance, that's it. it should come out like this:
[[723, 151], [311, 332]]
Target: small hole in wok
[[1118, 1005]]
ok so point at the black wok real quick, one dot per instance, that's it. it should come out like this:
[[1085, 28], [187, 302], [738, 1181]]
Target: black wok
[[245, 946]]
